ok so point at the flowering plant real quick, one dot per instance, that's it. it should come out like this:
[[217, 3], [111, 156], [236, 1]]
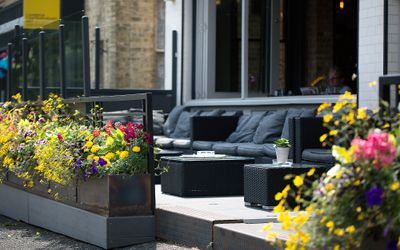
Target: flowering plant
[[357, 202], [43, 142]]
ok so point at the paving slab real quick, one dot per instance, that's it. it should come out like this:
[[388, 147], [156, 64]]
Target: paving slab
[[212, 222]]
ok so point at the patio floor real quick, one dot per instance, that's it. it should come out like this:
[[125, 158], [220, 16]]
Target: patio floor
[[218, 222]]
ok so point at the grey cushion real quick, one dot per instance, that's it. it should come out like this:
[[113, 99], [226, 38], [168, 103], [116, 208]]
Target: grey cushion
[[225, 148], [318, 155], [291, 113], [170, 124], [270, 150], [203, 145], [251, 149], [182, 129], [181, 143], [215, 112], [296, 113], [233, 113], [247, 125], [270, 127], [164, 142]]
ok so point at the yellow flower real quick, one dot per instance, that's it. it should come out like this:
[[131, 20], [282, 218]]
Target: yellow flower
[[329, 186], [123, 154], [328, 118], [272, 236], [330, 224], [90, 157], [95, 148], [323, 106], [372, 84], [136, 149], [336, 247], [350, 229], [339, 232], [338, 106], [386, 125], [362, 113], [323, 137], [96, 158], [333, 132], [110, 140], [311, 172], [278, 196], [109, 156], [88, 144], [395, 186], [266, 227], [346, 96], [358, 209], [298, 181], [357, 183]]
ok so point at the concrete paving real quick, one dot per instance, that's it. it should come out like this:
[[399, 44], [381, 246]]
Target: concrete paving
[[220, 222], [16, 235]]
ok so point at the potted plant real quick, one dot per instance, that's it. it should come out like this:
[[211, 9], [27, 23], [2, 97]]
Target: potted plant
[[282, 147]]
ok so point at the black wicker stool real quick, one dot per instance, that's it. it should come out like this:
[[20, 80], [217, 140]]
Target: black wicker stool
[[263, 181]]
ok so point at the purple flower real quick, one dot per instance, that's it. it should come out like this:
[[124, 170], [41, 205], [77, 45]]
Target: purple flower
[[374, 196], [85, 176], [392, 245], [41, 142], [94, 168], [20, 147], [78, 163], [102, 162]]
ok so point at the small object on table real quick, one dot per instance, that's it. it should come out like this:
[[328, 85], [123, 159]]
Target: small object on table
[[203, 176]]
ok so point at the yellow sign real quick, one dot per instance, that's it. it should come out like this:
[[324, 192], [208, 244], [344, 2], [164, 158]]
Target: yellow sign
[[41, 14]]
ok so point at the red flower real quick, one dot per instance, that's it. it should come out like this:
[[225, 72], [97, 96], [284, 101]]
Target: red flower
[[59, 136], [108, 126], [96, 133]]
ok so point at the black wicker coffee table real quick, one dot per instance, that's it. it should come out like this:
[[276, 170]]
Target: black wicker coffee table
[[189, 177], [263, 181]]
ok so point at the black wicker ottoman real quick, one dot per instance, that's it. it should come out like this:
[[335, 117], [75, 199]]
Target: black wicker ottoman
[[263, 181], [158, 155], [203, 176]]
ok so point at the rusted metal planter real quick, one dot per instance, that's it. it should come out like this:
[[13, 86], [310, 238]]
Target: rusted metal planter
[[38, 187], [116, 195]]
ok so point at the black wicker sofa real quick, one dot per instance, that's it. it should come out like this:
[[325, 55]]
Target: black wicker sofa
[[233, 132]]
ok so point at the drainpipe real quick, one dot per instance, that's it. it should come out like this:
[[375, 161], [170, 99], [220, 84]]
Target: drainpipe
[[385, 35]]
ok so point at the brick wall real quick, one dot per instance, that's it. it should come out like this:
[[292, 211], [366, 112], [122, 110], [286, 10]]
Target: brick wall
[[129, 37], [319, 39]]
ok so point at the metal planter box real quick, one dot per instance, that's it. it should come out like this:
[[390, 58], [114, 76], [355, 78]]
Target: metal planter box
[[117, 195]]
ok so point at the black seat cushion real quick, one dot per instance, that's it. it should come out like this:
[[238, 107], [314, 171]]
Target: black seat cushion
[[181, 143], [164, 142], [318, 155], [253, 150], [225, 148]]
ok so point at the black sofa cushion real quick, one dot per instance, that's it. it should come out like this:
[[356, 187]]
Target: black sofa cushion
[[225, 148], [318, 155], [246, 127], [182, 129], [170, 124], [203, 145], [270, 127]]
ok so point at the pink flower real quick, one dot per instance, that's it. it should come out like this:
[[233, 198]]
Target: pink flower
[[377, 148], [59, 136]]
